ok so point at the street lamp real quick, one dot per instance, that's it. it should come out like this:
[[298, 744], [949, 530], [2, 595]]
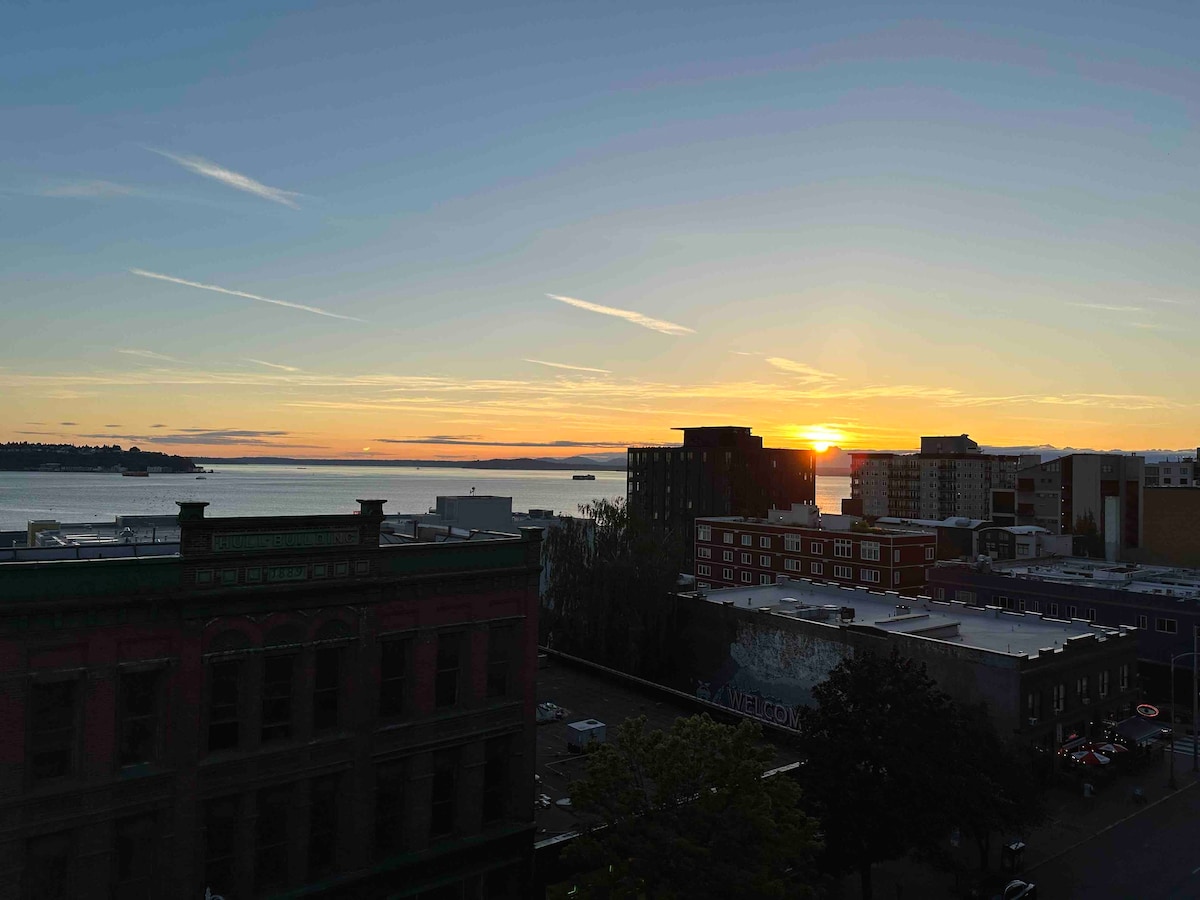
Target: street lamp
[[1195, 655]]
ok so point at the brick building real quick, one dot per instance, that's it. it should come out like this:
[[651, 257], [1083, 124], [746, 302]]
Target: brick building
[[722, 471], [283, 707], [732, 551]]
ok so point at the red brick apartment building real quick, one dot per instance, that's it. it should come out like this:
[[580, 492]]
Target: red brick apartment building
[[733, 551], [283, 708]]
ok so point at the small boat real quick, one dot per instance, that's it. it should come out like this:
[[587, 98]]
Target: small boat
[[583, 477], [200, 478], [136, 474]]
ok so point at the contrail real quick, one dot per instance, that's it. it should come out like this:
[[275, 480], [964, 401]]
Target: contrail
[[220, 290], [628, 315]]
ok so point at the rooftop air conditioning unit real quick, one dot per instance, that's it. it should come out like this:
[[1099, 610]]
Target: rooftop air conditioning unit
[[588, 731]]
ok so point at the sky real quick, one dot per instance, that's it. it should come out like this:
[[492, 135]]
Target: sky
[[444, 230]]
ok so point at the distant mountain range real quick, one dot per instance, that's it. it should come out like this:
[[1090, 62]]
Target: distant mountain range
[[570, 463]]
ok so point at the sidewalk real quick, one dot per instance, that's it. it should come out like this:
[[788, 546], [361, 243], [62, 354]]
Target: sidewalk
[[1072, 820]]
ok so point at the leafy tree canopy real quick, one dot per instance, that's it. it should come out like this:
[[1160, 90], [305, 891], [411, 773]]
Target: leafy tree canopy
[[686, 813], [610, 586]]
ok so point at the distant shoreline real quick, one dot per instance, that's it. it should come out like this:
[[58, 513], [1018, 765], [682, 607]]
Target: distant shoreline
[[534, 465]]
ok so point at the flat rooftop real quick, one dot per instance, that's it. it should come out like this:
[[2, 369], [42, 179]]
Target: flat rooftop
[[986, 628], [583, 693], [1166, 581]]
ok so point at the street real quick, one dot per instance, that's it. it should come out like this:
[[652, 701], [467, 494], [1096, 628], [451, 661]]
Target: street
[[1153, 855]]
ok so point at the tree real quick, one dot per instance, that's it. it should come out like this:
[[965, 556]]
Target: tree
[[877, 746], [1089, 539], [610, 585], [993, 791], [686, 813]]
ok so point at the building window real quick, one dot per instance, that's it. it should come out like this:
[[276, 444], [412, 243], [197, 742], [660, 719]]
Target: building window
[[964, 596], [1166, 626], [929, 553], [816, 568], [1143, 622], [134, 852], [1081, 688], [702, 569], [871, 576], [500, 658], [1091, 614], [389, 808], [704, 532], [764, 562], [393, 676], [1054, 610], [449, 669], [869, 550], [278, 672], [727, 574], [1072, 612], [704, 553], [764, 579], [1102, 684], [496, 783], [1123, 677], [220, 843], [50, 867], [747, 577], [1060, 698], [1033, 705], [747, 559], [843, 572], [444, 794], [52, 729], [322, 826], [817, 548], [271, 838], [792, 565], [327, 688], [764, 543], [727, 556], [747, 540], [895, 578], [895, 556], [844, 548], [139, 717], [791, 543], [727, 537]]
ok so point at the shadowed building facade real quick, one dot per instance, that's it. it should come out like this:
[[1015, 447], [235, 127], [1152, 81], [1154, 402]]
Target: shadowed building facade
[[719, 471], [284, 707]]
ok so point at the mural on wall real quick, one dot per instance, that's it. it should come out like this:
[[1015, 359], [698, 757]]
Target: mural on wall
[[770, 672]]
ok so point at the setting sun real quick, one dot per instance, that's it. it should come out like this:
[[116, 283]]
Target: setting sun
[[820, 437]]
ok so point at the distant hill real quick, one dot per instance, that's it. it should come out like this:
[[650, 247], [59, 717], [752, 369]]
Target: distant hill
[[572, 464], [25, 457]]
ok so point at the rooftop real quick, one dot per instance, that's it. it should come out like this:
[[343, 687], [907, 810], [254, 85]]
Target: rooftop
[[1163, 580], [986, 628]]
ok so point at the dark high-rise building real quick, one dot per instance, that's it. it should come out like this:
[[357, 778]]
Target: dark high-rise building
[[719, 471], [281, 707]]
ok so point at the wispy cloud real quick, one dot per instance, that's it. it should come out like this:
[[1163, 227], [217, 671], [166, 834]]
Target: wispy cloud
[[1169, 301], [316, 310], [204, 436], [628, 315], [808, 374], [88, 190], [271, 365], [68, 423], [1108, 308], [149, 354], [554, 365], [235, 180], [468, 441]]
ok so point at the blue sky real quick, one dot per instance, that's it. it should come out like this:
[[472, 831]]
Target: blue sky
[[868, 221]]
